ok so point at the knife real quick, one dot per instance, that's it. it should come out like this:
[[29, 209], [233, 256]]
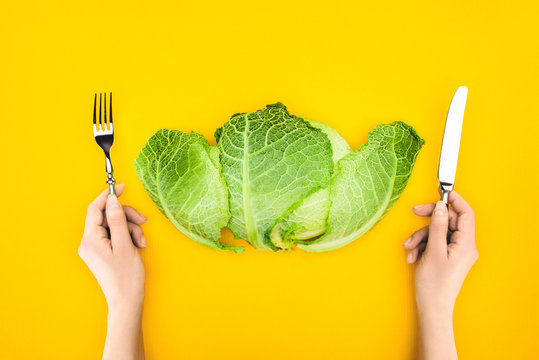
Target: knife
[[451, 142]]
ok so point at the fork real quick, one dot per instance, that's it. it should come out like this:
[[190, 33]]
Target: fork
[[104, 136]]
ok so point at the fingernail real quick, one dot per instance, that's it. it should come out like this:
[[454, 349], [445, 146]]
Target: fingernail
[[143, 241], [112, 201], [417, 207], [440, 208], [409, 260], [407, 241], [143, 217]]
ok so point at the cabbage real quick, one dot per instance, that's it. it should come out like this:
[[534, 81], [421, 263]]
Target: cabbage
[[277, 180]]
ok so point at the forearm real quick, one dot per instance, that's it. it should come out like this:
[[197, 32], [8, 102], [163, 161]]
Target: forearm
[[124, 334], [436, 335]]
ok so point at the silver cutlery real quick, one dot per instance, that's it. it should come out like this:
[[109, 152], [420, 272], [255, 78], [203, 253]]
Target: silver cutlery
[[104, 135], [451, 142]]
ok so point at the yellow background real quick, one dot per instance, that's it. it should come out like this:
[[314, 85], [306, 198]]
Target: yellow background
[[190, 66]]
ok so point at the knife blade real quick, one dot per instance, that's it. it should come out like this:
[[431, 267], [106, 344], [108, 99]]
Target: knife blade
[[449, 154]]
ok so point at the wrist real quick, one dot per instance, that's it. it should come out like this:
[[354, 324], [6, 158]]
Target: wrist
[[124, 321], [430, 318], [437, 310], [436, 333], [124, 307], [440, 306], [119, 302]]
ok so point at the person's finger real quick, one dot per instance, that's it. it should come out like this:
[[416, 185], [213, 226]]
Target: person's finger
[[136, 235], [466, 216], [437, 239], [117, 222], [459, 204], [427, 209], [415, 253], [132, 216], [416, 238], [94, 215]]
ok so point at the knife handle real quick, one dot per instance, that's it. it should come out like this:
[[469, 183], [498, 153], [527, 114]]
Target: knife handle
[[446, 189], [445, 196]]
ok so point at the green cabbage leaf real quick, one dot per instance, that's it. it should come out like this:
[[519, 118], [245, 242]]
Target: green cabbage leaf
[[182, 174], [367, 183]]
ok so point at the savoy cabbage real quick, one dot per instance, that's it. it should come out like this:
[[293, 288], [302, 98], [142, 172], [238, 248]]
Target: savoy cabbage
[[277, 180]]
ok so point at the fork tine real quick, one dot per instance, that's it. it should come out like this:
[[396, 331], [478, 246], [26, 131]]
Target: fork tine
[[105, 112], [101, 125], [110, 109], [95, 100]]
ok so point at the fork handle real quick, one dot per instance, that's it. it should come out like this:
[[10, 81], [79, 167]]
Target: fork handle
[[110, 178]]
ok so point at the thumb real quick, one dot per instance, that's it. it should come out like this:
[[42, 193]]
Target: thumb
[[117, 222], [437, 242]]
